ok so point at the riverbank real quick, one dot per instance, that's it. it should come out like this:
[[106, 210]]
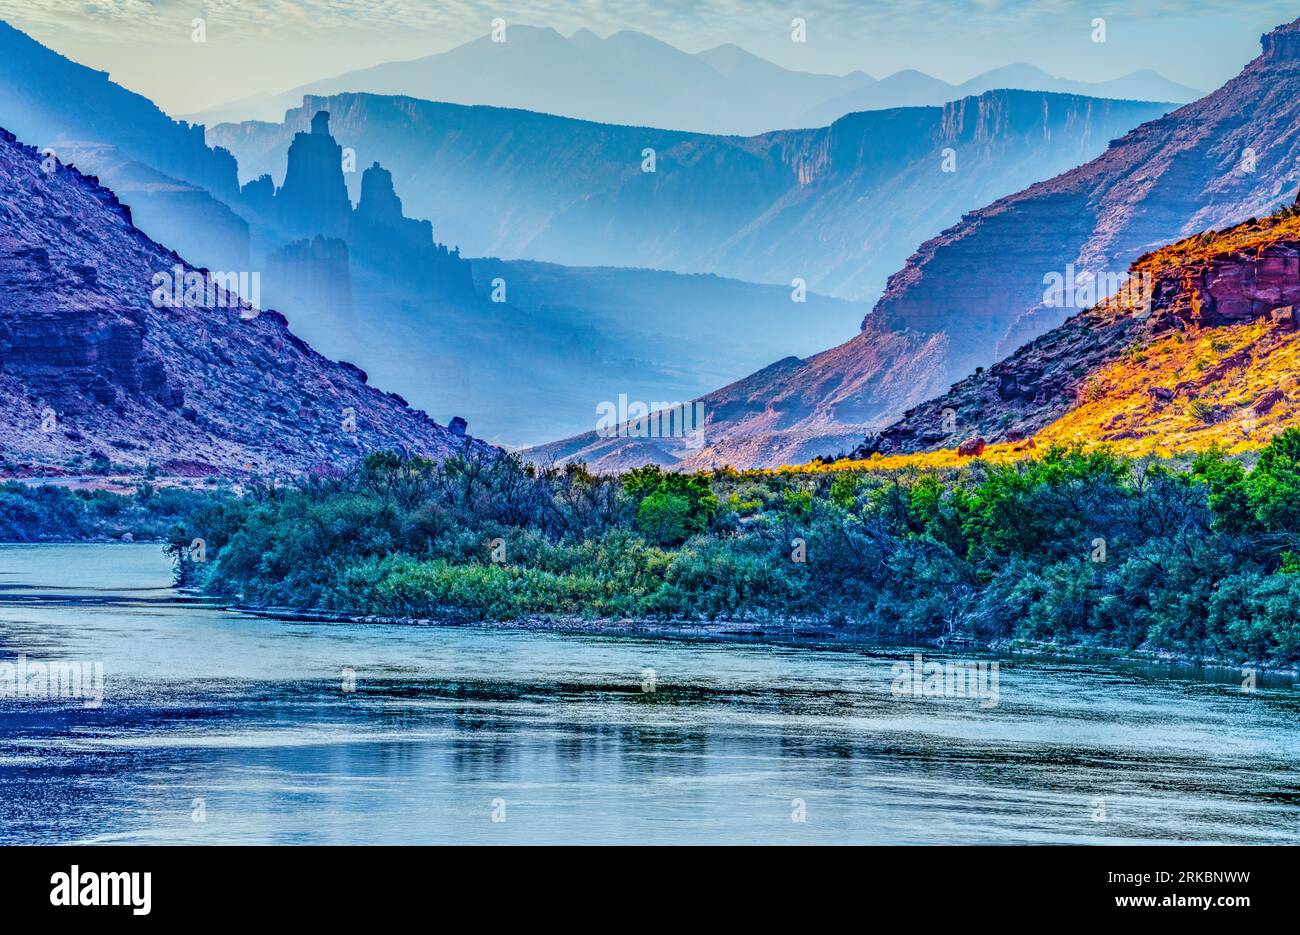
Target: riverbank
[[811, 635], [1078, 551], [61, 513]]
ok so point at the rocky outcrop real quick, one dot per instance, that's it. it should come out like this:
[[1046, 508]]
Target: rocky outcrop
[[1283, 43], [1264, 403], [1243, 287], [404, 247], [259, 196], [100, 362], [379, 203]]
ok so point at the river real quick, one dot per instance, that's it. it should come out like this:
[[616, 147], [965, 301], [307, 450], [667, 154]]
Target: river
[[219, 727]]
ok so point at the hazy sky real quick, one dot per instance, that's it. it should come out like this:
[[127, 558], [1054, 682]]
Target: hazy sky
[[273, 45]]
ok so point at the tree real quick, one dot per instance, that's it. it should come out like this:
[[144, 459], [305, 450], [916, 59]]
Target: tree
[[664, 518], [1273, 487], [702, 505]]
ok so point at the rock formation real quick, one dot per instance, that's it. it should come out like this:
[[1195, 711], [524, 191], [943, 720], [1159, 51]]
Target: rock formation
[[311, 274], [839, 207], [314, 198], [313, 206], [404, 247]]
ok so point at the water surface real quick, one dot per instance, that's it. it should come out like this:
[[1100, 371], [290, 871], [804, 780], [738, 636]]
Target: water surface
[[218, 727]]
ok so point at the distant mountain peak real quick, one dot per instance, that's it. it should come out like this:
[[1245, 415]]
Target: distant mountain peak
[[909, 73], [630, 36], [635, 79], [1018, 70], [730, 53], [514, 30]]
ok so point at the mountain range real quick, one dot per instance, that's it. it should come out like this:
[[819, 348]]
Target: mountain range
[[838, 207], [632, 78], [372, 283], [178, 186], [913, 88], [987, 285], [845, 185], [82, 341]]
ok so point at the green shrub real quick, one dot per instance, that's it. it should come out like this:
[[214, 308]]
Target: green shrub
[[664, 518]]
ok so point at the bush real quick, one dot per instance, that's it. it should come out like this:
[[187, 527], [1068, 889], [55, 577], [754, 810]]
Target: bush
[[481, 592], [664, 517], [695, 488]]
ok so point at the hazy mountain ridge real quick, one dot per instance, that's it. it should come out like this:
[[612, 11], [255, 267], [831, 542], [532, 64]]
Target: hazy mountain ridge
[[675, 318], [375, 284], [179, 187], [914, 89], [364, 283], [632, 78], [1200, 167], [172, 211], [789, 412], [838, 207]]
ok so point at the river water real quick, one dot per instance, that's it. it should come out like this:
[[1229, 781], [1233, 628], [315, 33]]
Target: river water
[[218, 727]]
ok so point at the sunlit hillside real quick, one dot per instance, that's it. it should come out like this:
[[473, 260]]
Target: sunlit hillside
[[1213, 360]]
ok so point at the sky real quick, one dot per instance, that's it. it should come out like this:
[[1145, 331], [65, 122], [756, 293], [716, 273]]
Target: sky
[[268, 46]]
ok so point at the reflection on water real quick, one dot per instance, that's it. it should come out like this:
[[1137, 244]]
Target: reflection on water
[[244, 723]]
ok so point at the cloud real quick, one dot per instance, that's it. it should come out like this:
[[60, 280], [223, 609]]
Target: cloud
[[460, 18]]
